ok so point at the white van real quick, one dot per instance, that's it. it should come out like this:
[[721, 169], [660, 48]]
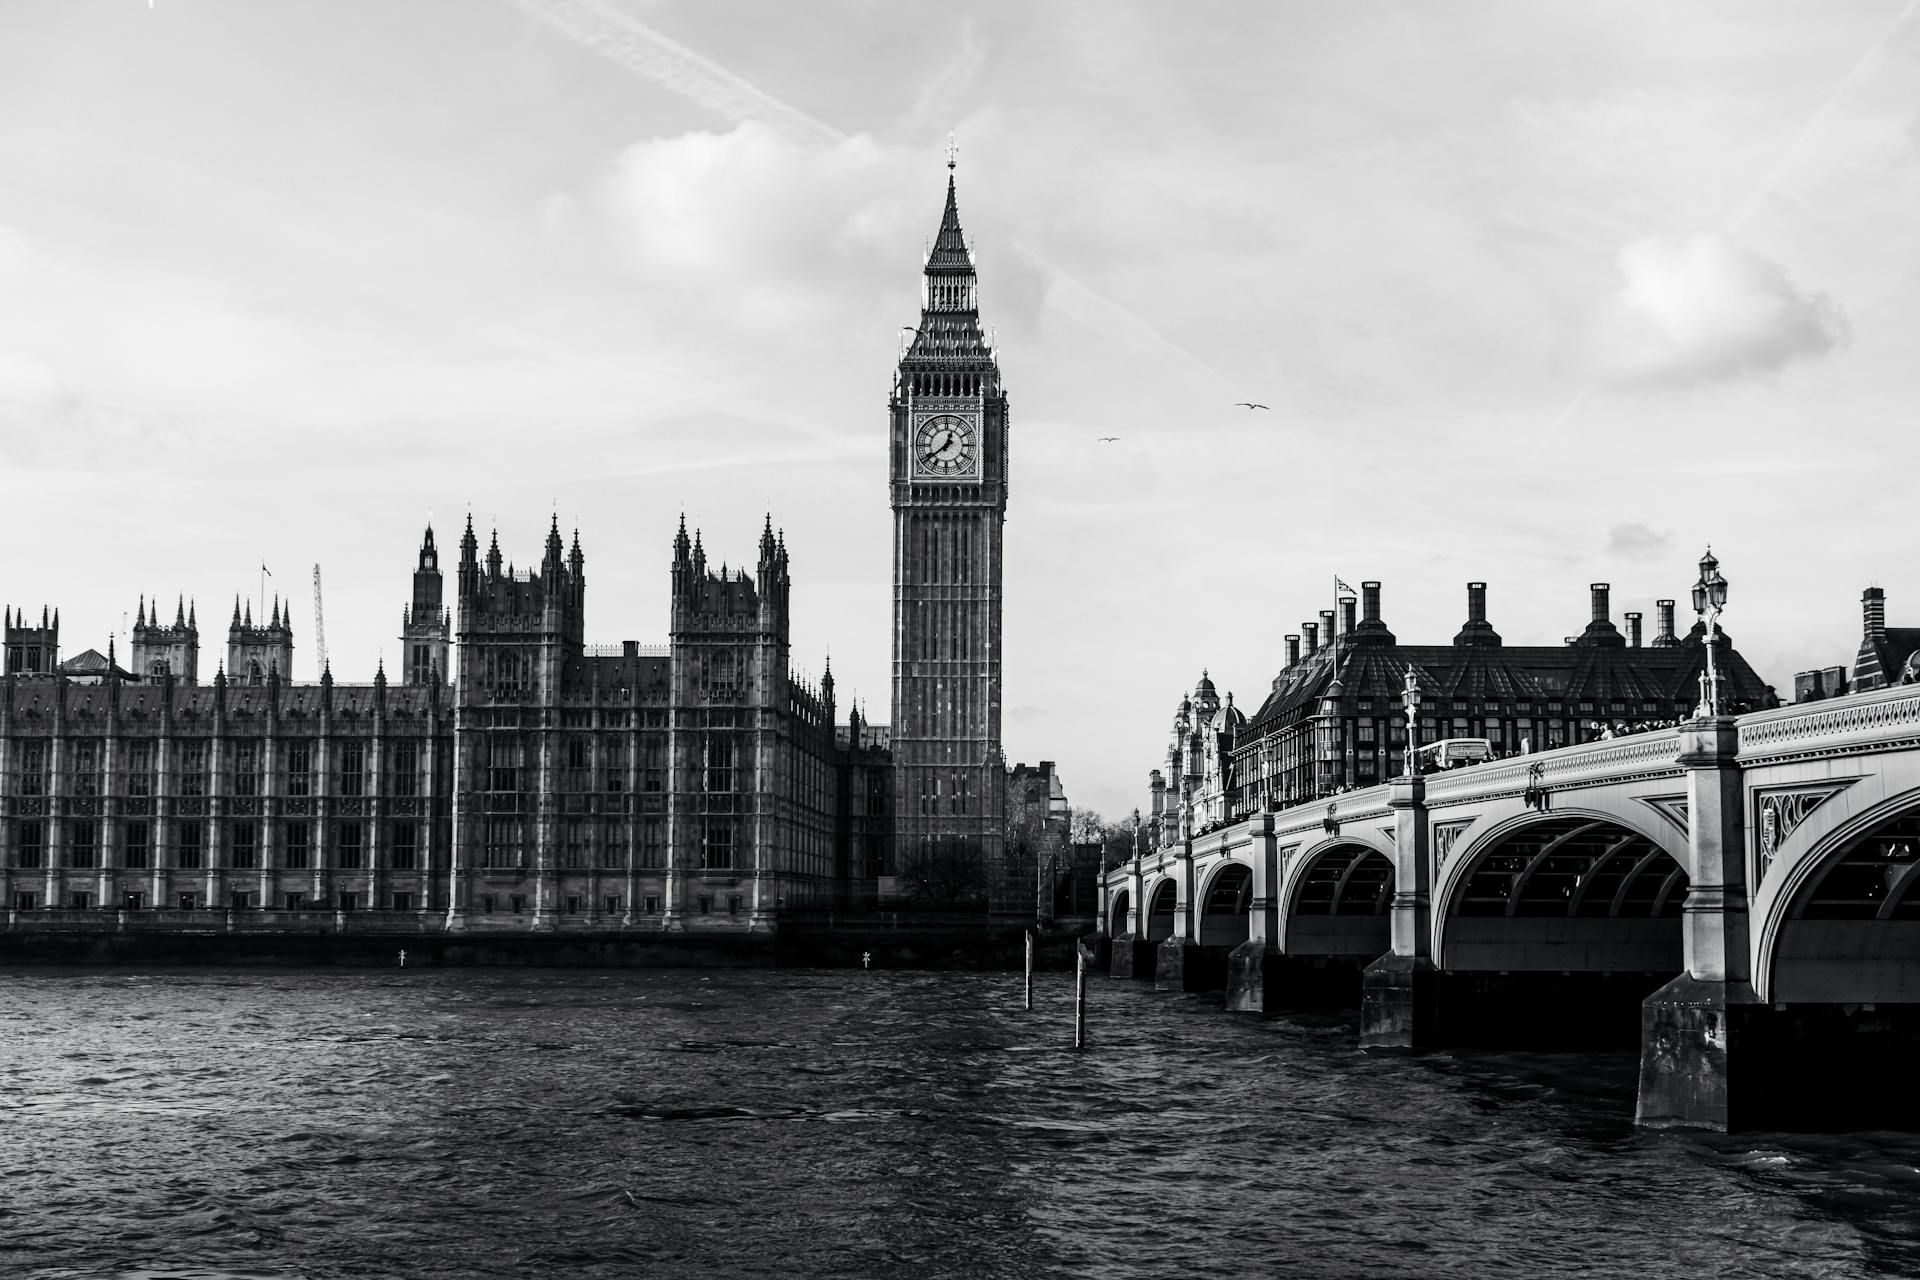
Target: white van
[[1452, 753]]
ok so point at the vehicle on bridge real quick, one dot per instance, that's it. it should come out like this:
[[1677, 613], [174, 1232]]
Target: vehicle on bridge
[[1452, 753]]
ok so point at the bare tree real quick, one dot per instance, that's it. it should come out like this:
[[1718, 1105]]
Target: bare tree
[[944, 870]]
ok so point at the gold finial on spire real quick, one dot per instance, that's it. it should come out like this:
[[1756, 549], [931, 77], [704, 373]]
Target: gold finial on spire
[[953, 151]]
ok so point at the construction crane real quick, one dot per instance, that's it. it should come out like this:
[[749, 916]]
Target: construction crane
[[319, 621]]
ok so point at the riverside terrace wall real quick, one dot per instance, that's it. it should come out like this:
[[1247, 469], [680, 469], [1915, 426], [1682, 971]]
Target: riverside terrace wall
[[375, 940]]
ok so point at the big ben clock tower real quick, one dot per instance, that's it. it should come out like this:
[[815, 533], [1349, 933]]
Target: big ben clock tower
[[949, 485]]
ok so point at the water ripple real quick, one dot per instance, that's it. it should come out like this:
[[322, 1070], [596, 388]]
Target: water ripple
[[268, 1125]]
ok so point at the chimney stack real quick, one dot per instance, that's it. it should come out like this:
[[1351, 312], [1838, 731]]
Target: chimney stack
[[1327, 632], [1293, 651], [1873, 608], [1663, 633], [1347, 605], [1601, 591], [1476, 630], [1476, 602], [1312, 630], [1633, 630], [1370, 601]]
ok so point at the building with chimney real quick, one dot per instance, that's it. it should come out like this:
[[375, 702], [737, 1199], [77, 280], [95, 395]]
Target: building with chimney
[[1334, 717], [1887, 655]]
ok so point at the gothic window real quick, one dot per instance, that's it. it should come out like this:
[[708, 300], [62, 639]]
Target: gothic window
[[190, 843], [503, 762], [719, 765], [139, 768], [299, 846], [654, 764], [577, 847], [405, 767], [353, 768], [653, 844], [159, 668], [716, 852], [503, 844], [612, 758], [421, 671], [31, 846], [83, 839], [86, 768], [193, 768], [139, 838], [579, 764], [254, 674], [246, 769], [246, 846], [299, 768], [33, 768], [347, 846], [406, 849]]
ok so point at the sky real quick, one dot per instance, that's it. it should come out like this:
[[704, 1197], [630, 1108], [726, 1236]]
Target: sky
[[1539, 294]]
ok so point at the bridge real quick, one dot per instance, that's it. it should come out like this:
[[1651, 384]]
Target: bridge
[[1737, 893]]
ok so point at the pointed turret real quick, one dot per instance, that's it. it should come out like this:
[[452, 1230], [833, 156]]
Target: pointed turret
[[493, 556]]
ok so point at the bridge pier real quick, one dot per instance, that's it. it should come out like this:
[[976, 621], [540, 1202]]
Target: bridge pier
[[1180, 964], [1131, 957], [1691, 1028], [1398, 992]]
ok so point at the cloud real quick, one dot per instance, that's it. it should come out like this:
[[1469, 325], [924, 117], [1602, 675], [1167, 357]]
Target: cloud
[[770, 230], [45, 424], [1638, 542], [1702, 309]]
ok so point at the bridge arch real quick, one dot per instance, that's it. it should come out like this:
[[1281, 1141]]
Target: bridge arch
[[1225, 916], [1338, 900], [1842, 925], [1162, 901], [1568, 890], [1117, 913]]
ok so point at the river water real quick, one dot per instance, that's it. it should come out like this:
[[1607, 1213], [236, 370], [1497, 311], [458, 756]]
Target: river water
[[216, 1124]]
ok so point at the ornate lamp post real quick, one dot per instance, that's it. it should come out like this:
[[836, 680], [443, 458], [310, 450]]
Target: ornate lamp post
[[1410, 699], [1709, 598]]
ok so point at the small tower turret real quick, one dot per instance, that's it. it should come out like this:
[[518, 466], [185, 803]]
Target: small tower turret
[[425, 628], [161, 650]]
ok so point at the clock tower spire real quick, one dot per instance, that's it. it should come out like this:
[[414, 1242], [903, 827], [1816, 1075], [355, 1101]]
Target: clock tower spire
[[948, 478]]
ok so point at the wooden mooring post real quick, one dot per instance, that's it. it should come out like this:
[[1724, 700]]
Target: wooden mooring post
[[1080, 1000], [1029, 971]]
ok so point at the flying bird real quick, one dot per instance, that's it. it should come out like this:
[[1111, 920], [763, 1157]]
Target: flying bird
[[1248, 404], [1108, 439]]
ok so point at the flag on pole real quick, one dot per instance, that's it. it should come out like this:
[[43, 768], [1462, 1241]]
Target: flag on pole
[[265, 570], [1339, 585]]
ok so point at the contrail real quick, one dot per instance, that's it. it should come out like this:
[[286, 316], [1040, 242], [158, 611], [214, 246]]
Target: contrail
[[1759, 194], [639, 48], [1772, 178]]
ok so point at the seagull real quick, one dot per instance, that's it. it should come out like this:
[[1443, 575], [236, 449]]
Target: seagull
[[1108, 439], [1248, 404]]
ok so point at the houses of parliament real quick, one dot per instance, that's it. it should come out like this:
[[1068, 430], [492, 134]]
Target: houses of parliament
[[509, 775]]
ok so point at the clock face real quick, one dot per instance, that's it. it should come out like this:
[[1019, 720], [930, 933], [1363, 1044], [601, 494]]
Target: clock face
[[946, 446]]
